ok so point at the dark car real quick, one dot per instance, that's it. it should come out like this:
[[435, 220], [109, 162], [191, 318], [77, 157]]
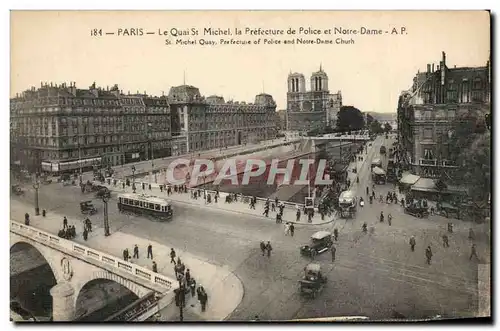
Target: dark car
[[102, 191], [321, 241], [417, 211]]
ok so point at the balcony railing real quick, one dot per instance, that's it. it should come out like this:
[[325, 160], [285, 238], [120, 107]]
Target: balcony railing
[[428, 162], [435, 163]]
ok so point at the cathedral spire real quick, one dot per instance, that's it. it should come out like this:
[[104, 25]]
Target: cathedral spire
[[320, 66]]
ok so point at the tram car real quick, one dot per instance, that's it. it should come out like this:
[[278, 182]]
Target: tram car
[[143, 204]]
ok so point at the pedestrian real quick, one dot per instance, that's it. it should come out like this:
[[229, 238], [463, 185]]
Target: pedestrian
[[202, 297], [287, 228], [85, 234], [188, 276], [381, 216], [263, 248], [473, 252], [125, 255], [450, 227], [292, 229], [389, 219], [297, 215], [336, 234], [192, 286], [136, 252], [471, 234], [273, 207], [334, 250], [65, 223], [149, 186], [155, 267], [428, 254], [445, 241], [269, 248], [266, 211], [150, 251], [172, 256], [367, 190], [412, 243]]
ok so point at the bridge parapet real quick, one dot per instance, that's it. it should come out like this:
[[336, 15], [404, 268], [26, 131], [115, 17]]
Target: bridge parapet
[[120, 266]]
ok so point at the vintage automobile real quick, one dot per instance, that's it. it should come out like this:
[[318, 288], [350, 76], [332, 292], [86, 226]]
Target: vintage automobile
[[313, 280], [17, 190], [416, 210], [102, 191], [448, 210], [87, 208], [321, 241], [379, 176], [347, 204]]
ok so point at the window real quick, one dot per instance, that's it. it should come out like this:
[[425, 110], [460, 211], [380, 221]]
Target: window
[[428, 154], [157, 207], [477, 84], [427, 133]]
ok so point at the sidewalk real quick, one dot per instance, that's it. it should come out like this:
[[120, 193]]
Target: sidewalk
[[289, 213], [224, 289]]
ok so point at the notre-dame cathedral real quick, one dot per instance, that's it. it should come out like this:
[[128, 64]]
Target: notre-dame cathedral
[[313, 109]]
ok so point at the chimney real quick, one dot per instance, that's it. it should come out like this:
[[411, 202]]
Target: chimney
[[432, 68], [444, 59], [107, 87], [428, 68]]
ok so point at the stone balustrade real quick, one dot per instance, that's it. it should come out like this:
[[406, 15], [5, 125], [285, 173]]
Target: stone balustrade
[[78, 249]]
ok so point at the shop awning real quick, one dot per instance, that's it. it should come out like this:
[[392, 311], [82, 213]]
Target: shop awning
[[378, 171], [425, 185], [409, 179]]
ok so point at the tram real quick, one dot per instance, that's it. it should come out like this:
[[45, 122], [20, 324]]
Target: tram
[[151, 205]]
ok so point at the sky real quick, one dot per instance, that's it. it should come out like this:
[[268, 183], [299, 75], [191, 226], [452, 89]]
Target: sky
[[58, 47]]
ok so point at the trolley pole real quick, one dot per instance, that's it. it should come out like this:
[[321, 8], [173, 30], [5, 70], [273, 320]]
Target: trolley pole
[[36, 186]]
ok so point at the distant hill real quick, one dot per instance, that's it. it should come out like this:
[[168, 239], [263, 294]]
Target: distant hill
[[383, 117]]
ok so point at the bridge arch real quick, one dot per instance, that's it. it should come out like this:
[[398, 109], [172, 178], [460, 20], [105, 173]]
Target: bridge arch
[[138, 290], [31, 293], [45, 252]]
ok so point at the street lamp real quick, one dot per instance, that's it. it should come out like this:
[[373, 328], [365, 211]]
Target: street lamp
[[182, 298], [105, 199], [133, 179], [36, 186]]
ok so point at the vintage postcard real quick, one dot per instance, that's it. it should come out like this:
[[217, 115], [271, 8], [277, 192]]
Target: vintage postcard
[[250, 166]]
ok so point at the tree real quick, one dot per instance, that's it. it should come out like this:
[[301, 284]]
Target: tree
[[470, 147], [375, 127], [369, 120], [387, 127], [349, 118]]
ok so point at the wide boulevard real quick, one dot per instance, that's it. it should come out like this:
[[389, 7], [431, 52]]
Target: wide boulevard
[[374, 274]]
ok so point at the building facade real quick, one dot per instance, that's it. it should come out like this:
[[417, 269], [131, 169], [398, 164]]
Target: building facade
[[427, 111], [200, 123], [281, 120], [60, 128], [311, 109]]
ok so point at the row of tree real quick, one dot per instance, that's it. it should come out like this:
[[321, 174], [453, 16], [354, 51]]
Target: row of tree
[[350, 118]]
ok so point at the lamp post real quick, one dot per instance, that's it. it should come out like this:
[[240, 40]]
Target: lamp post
[[182, 298], [105, 200], [36, 186], [133, 179]]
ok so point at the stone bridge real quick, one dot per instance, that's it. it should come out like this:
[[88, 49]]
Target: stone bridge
[[333, 137], [75, 265]]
